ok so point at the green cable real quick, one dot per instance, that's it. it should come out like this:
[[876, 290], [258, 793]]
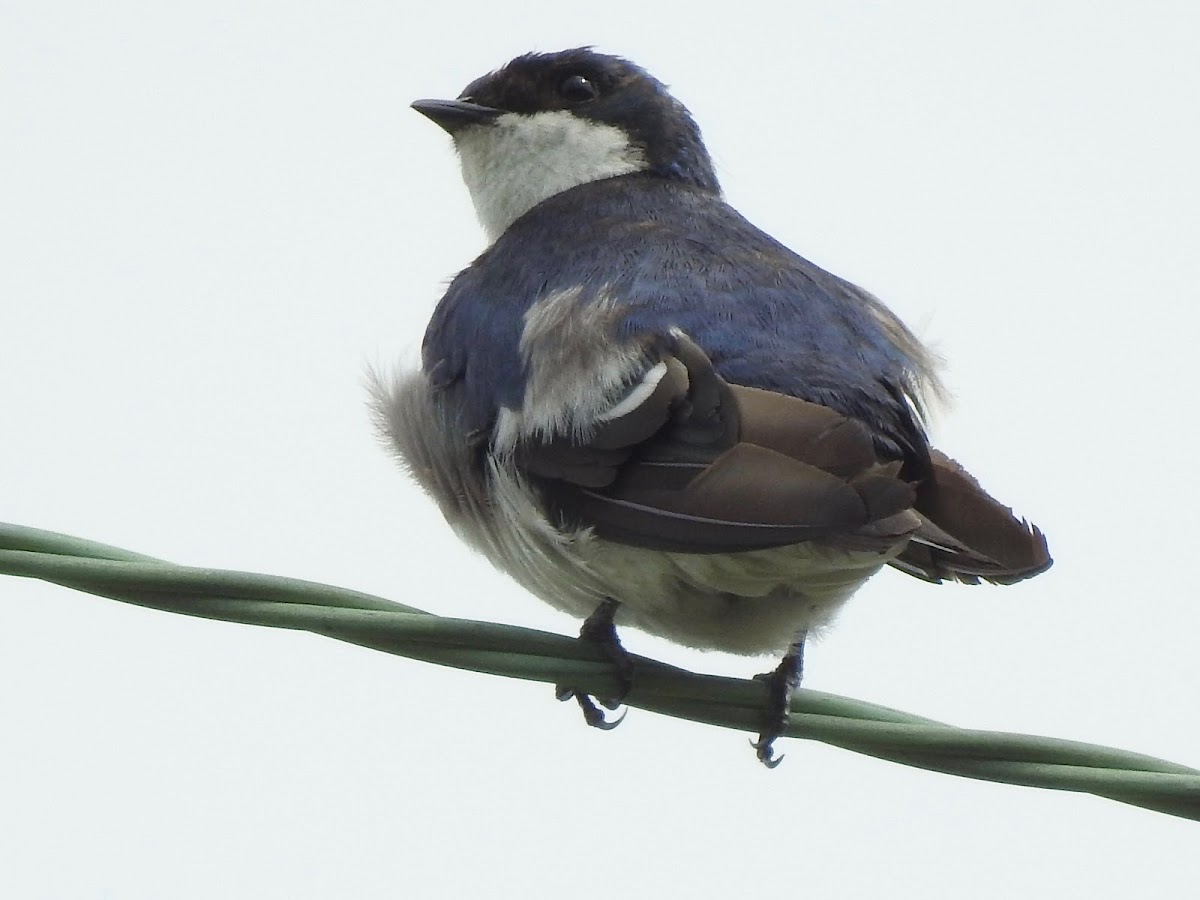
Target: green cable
[[514, 652]]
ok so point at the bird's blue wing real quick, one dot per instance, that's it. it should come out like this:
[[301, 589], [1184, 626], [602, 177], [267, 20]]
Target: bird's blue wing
[[676, 258]]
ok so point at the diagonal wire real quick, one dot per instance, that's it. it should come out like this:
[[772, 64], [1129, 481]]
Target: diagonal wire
[[515, 652]]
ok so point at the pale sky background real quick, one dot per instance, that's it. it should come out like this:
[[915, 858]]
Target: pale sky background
[[215, 215]]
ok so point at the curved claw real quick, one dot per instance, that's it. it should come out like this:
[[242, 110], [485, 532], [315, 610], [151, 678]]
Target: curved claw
[[606, 724], [592, 714], [766, 752]]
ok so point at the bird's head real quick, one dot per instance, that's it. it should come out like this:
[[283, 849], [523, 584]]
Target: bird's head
[[547, 122]]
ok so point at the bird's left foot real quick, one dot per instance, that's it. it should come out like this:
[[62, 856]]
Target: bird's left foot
[[598, 629], [781, 683]]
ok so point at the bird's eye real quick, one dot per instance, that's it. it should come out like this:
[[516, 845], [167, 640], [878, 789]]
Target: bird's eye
[[578, 89]]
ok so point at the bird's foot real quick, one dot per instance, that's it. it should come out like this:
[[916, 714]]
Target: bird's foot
[[592, 713], [781, 683], [598, 629]]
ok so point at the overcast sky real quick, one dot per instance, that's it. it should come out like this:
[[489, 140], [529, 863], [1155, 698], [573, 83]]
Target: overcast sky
[[215, 215]]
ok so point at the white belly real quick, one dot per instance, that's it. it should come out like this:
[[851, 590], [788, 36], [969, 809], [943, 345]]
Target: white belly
[[750, 603]]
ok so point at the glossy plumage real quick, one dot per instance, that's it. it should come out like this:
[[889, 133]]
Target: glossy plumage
[[636, 394]]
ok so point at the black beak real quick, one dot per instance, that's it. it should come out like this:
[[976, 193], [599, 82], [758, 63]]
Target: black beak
[[454, 115]]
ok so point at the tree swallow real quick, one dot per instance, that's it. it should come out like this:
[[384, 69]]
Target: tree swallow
[[649, 412]]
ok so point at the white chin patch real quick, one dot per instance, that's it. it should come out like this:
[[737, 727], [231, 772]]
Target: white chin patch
[[517, 161]]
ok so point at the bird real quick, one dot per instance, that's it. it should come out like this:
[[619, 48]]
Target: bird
[[649, 412]]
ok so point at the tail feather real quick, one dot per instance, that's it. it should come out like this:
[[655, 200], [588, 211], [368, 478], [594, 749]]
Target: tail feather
[[968, 536]]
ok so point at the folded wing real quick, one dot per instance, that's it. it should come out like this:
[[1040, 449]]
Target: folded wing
[[687, 462]]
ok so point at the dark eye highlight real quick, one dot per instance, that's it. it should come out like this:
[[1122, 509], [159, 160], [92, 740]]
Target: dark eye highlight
[[578, 89]]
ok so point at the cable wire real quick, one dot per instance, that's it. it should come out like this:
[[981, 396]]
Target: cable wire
[[515, 652]]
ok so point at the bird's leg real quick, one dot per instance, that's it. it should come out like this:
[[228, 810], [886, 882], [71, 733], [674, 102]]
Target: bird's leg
[[598, 629], [780, 685]]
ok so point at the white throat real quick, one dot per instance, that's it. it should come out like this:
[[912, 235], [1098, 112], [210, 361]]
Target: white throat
[[517, 161]]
